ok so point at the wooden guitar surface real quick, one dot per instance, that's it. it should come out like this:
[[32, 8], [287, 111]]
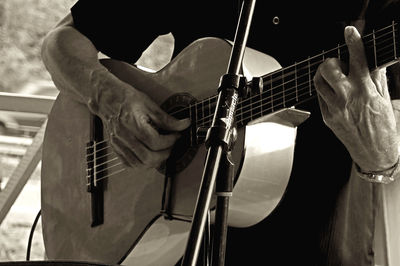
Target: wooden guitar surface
[[133, 197]]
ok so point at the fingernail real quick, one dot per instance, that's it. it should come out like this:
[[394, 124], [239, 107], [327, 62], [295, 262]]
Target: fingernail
[[351, 34], [184, 123], [185, 120]]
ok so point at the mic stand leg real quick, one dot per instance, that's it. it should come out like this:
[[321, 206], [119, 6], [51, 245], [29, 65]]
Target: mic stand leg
[[223, 192]]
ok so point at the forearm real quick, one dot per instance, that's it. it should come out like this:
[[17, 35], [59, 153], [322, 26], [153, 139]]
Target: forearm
[[71, 59], [131, 118]]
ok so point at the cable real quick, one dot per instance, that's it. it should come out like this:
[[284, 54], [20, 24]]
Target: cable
[[28, 250]]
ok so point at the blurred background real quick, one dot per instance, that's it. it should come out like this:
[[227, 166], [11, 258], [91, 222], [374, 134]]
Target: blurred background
[[23, 25]]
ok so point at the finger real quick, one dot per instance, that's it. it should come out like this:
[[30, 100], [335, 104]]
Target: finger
[[151, 137], [167, 122], [358, 64], [127, 157], [379, 78], [148, 133], [323, 88], [142, 153], [162, 120], [324, 109], [332, 72]]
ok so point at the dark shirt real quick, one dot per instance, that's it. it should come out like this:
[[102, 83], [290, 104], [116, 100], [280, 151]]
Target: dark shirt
[[300, 229]]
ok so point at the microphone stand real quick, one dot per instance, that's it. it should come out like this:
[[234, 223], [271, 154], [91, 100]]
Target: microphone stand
[[219, 142]]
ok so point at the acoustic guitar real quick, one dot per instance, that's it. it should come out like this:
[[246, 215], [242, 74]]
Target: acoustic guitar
[[95, 208]]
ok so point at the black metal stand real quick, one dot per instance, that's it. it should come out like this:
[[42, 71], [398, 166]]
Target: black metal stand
[[219, 141]]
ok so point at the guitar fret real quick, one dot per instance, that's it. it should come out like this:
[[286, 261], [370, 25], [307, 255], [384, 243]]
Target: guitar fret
[[202, 112], [283, 89], [292, 85], [261, 103], [302, 79], [210, 111], [251, 105], [309, 76], [246, 109], [394, 40], [256, 104], [379, 47], [277, 90], [272, 94], [191, 126], [295, 80], [198, 115], [374, 40], [238, 113], [103, 163], [194, 125], [241, 111]]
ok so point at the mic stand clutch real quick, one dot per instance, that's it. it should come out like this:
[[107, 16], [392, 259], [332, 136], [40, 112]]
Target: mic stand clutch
[[218, 142]]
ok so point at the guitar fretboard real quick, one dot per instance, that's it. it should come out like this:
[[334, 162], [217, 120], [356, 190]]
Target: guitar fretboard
[[293, 85]]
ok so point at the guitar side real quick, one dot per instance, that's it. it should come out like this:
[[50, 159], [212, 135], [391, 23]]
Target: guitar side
[[133, 198]]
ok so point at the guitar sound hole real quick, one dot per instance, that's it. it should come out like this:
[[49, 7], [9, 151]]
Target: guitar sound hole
[[184, 150]]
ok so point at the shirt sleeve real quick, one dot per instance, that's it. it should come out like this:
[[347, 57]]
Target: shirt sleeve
[[122, 29]]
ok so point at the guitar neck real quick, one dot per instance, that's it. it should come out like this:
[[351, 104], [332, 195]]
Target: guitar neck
[[293, 85]]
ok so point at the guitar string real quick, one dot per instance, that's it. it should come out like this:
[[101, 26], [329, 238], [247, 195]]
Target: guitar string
[[260, 101], [292, 72], [112, 166], [285, 91], [108, 168], [289, 93], [97, 150], [98, 143], [366, 43], [97, 157], [277, 79], [206, 120], [123, 169], [108, 175], [102, 163], [275, 97], [302, 90], [103, 170]]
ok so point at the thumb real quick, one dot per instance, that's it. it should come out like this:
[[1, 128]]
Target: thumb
[[358, 64], [170, 123]]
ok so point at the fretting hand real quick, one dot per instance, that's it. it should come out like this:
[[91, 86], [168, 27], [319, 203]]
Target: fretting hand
[[356, 106]]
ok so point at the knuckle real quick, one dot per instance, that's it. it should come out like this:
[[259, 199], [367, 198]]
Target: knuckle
[[327, 120], [317, 77], [328, 64], [143, 119], [332, 65]]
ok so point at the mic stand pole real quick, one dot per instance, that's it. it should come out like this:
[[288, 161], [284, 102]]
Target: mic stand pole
[[218, 142]]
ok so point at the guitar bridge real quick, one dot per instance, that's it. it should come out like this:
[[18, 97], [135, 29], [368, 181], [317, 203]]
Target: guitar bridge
[[95, 155]]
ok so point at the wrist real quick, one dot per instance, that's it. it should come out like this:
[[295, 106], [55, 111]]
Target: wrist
[[385, 176], [107, 95]]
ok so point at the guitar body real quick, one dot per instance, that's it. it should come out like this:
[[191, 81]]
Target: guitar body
[[133, 198]]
